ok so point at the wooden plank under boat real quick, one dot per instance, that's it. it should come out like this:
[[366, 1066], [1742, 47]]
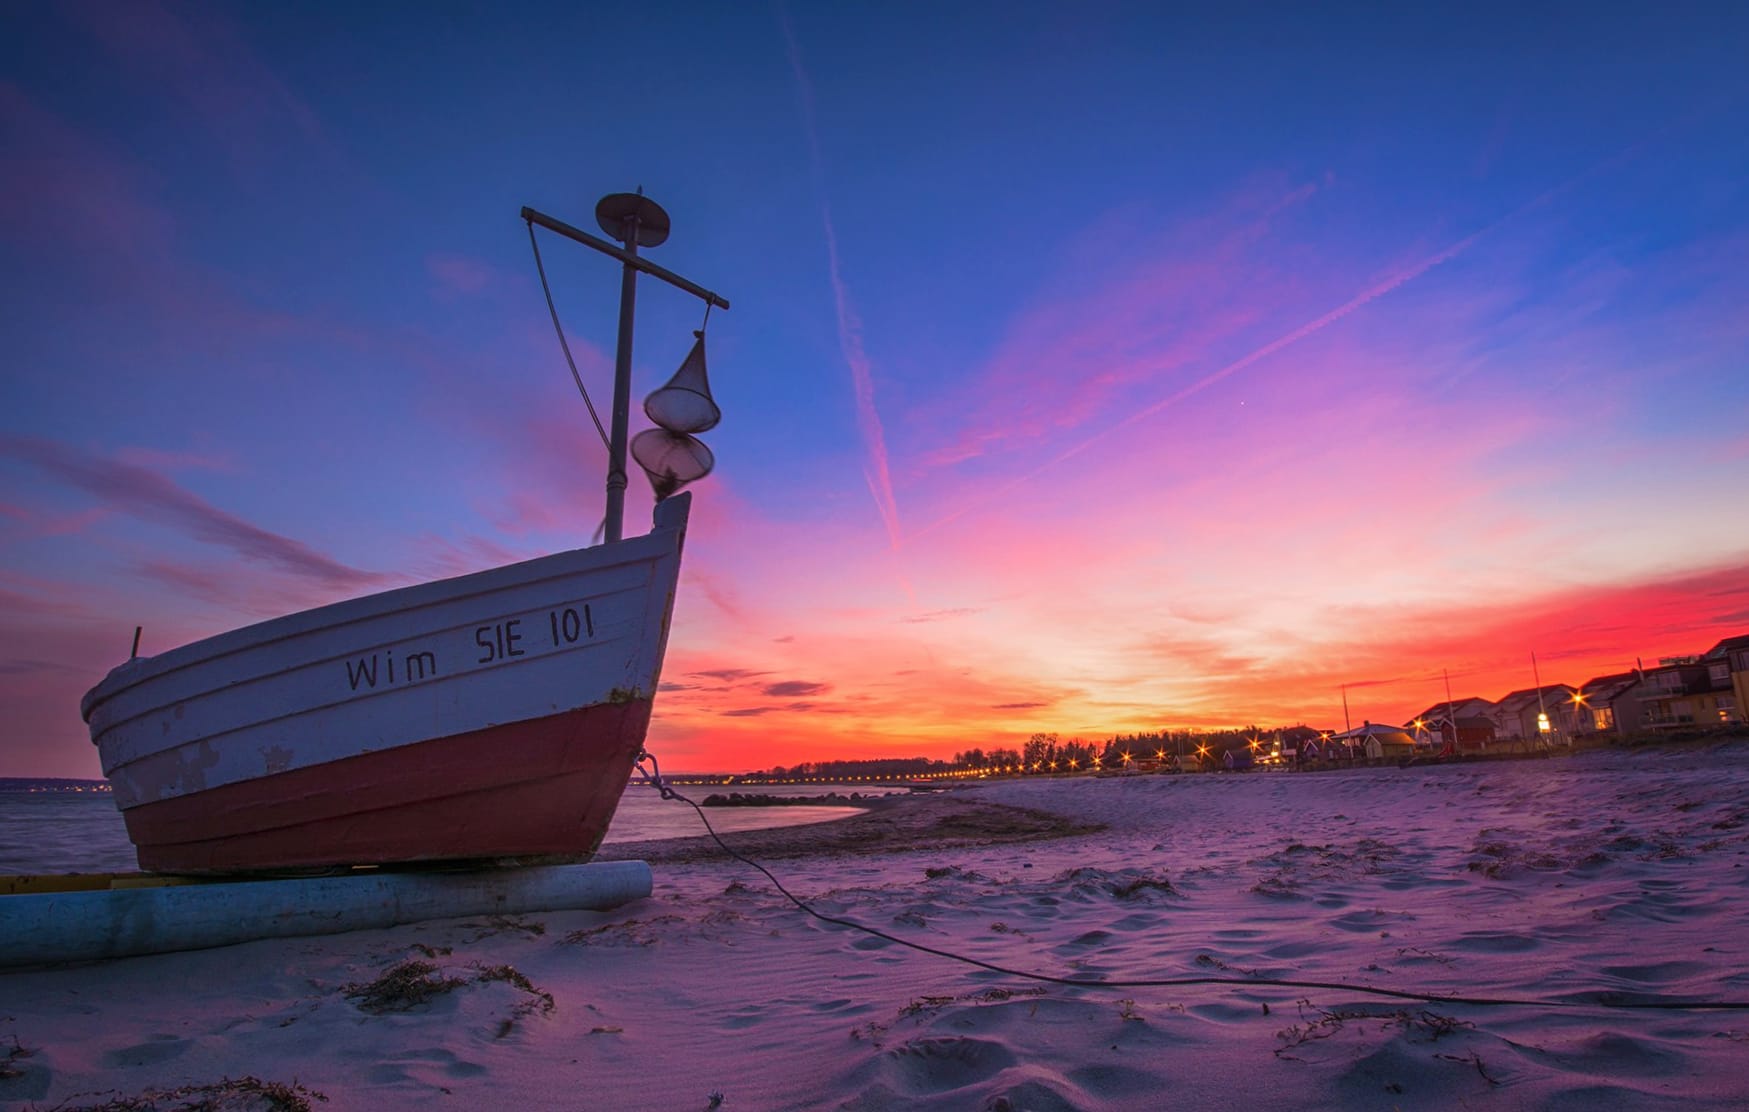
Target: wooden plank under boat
[[492, 716]]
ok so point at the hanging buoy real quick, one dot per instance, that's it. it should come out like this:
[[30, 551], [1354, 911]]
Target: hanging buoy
[[684, 404], [671, 459]]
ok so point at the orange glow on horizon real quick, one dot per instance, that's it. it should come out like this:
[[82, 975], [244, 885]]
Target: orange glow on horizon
[[885, 693]]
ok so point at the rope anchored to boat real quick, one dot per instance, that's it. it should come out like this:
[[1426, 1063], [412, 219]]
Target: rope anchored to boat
[[653, 777]]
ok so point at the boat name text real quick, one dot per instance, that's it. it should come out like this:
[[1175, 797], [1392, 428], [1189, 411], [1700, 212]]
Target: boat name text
[[495, 641]]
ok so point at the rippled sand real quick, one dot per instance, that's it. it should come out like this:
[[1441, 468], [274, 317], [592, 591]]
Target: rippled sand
[[1570, 885]]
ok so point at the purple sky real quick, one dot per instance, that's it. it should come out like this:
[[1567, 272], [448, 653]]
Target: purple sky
[[1091, 368]]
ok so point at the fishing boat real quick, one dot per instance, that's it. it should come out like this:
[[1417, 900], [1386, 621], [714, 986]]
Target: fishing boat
[[492, 717]]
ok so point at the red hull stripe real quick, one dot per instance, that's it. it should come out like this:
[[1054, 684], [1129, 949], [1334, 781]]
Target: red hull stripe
[[547, 786]]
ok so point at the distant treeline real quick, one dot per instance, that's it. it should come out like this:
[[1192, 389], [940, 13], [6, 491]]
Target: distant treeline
[[885, 766], [1048, 751], [1043, 752], [50, 784]]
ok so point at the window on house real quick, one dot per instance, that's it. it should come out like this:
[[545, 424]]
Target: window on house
[[1720, 673]]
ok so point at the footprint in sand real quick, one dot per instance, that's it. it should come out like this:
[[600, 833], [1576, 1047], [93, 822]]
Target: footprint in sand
[[1116, 1083], [745, 1017], [396, 1069], [1619, 1055], [159, 1048], [1365, 922], [941, 1064], [1136, 923], [1656, 973], [1495, 942], [1032, 1096]]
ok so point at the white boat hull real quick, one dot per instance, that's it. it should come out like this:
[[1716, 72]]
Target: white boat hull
[[487, 716]]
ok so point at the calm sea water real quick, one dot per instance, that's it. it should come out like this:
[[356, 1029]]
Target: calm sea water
[[82, 832]]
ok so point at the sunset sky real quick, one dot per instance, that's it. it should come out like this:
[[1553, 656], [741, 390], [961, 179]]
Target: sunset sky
[[1091, 368]]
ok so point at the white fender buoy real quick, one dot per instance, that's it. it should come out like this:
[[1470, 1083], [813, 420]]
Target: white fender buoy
[[92, 925]]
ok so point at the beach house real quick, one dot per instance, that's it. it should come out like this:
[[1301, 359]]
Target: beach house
[[1733, 653], [1609, 705], [1689, 691], [1518, 716], [1374, 741], [1464, 723]]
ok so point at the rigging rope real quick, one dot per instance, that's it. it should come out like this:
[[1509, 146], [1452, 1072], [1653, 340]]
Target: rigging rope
[[572, 363], [653, 777]]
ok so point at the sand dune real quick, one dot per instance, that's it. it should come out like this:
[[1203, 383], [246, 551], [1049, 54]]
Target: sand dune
[[1569, 884]]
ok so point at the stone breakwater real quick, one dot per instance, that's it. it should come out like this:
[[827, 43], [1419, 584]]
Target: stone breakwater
[[755, 799]]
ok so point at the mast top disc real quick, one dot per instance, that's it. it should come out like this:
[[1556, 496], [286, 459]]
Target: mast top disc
[[612, 210]]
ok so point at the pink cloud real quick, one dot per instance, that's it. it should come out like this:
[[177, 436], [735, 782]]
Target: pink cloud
[[457, 275], [96, 206], [1077, 352], [74, 200], [207, 64], [162, 460], [61, 638], [145, 494], [52, 524]]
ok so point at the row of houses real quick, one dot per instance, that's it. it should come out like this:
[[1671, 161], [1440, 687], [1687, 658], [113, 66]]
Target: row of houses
[[1707, 689]]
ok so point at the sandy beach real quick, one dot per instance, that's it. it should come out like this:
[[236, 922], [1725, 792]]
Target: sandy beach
[[1567, 885]]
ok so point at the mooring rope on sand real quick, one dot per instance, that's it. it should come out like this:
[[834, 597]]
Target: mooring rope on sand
[[1601, 999]]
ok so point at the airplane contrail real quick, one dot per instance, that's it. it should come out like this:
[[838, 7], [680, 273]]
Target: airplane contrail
[[868, 418], [1365, 297]]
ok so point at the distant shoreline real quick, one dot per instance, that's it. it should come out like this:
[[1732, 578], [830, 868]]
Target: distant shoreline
[[25, 785]]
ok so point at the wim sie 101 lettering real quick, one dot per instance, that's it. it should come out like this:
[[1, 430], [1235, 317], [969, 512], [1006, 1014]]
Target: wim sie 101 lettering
[[495, 641]]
